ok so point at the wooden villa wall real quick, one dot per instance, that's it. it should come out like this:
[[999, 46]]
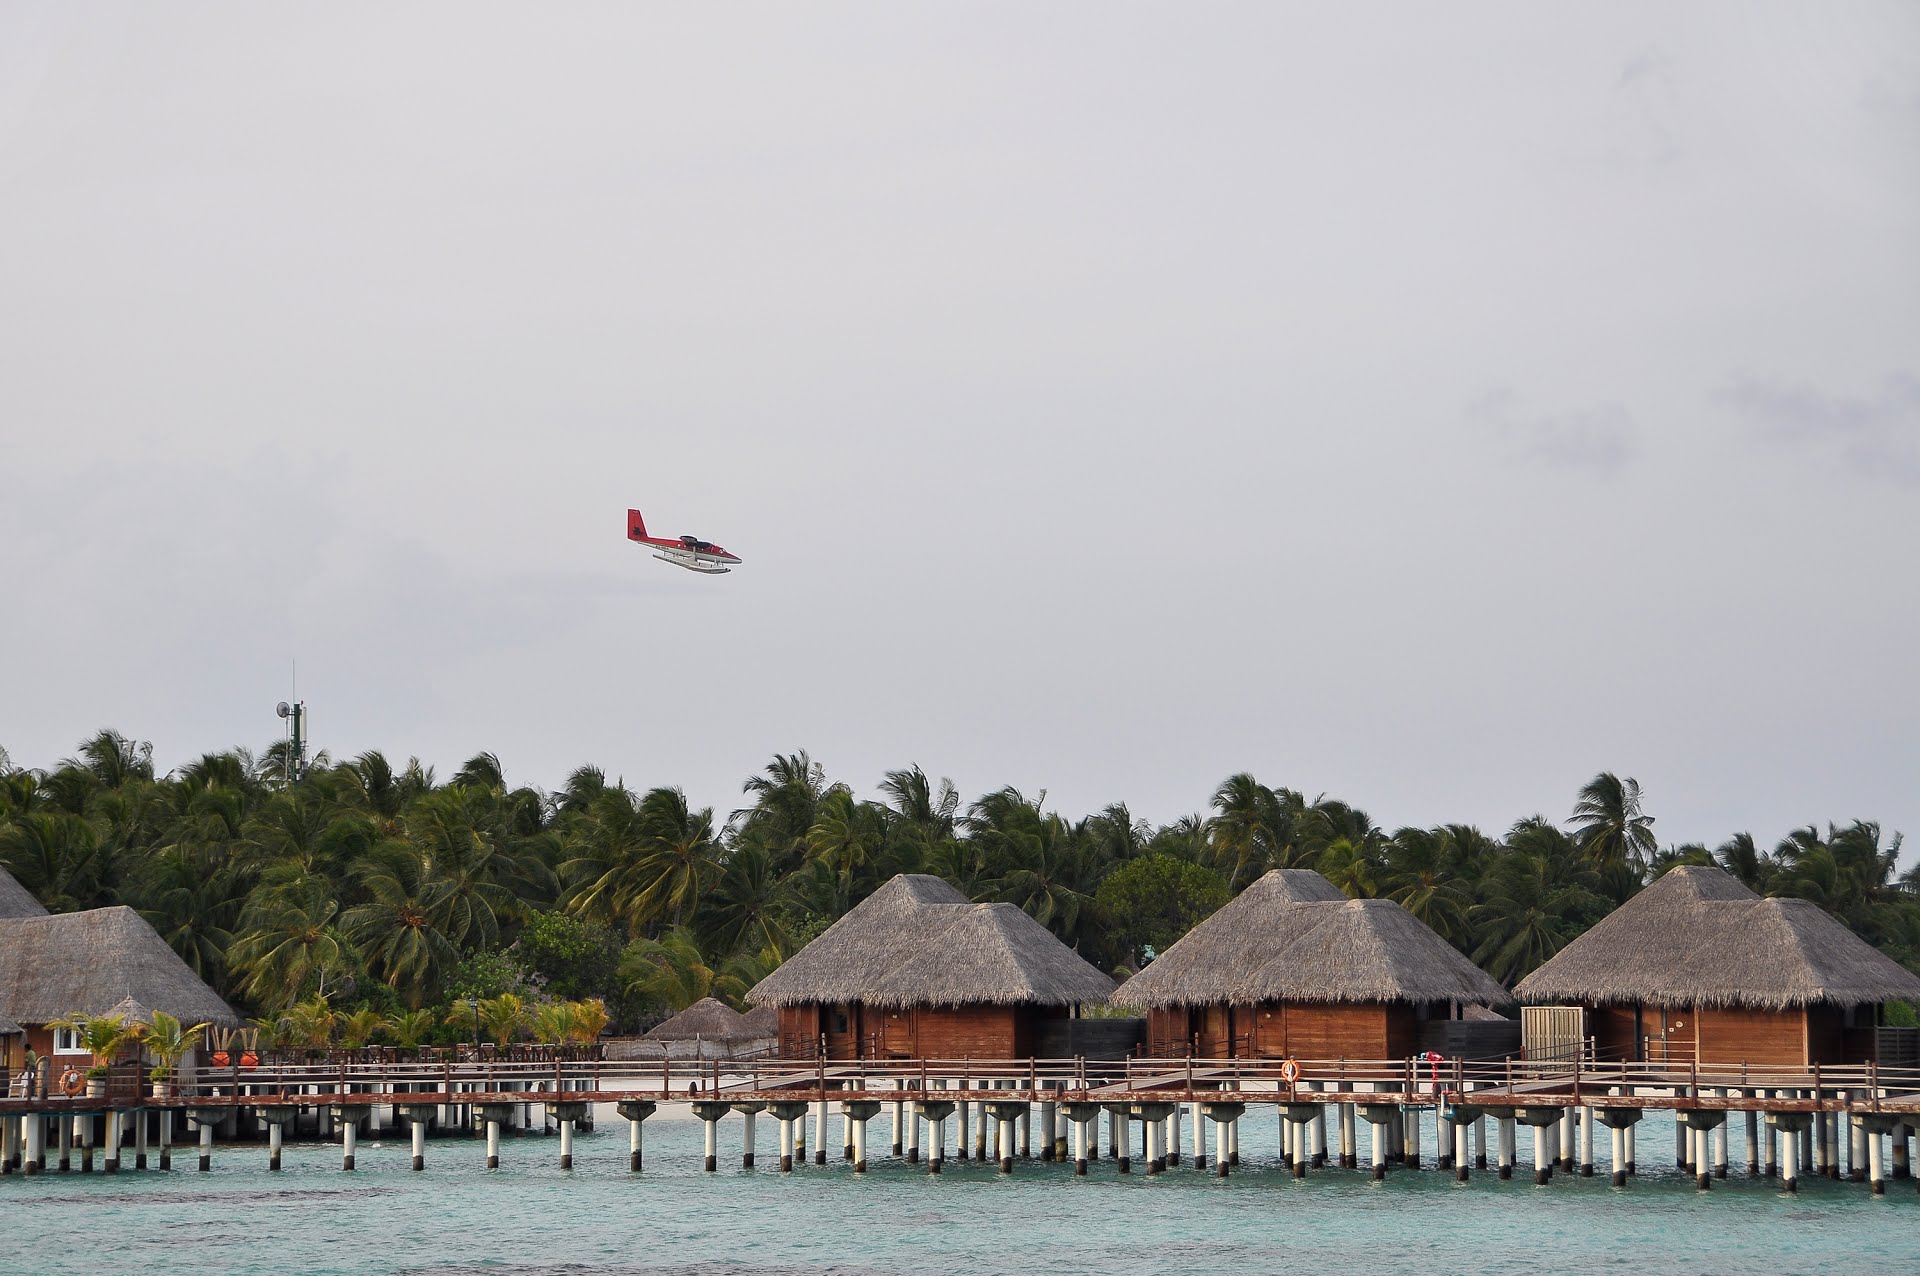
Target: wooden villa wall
[[854, 1031], [1683, 1036], [1738, 1035], [1281, 1030]]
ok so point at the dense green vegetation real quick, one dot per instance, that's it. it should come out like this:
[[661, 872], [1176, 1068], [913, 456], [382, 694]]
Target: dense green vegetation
[[366, 888]]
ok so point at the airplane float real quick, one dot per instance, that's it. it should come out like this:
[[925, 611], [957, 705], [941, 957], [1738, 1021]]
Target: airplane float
[[689, 552]]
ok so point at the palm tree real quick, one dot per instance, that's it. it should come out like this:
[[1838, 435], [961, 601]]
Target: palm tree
[[395, 929], [1610, 828], [670, 970], [113, 759], [786, 799], [58, 856], [408, 1029], [1739, 856], [848, 834], [1423, 878], [1252, 829], [290, 940], [169, 1042], [652, 863], [744, 907]]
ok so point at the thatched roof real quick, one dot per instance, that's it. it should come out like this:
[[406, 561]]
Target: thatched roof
[[8, 1028], [16, 900], [1697, 937], [86, 963], [707, 1019], [1292, 936], [919, 942]]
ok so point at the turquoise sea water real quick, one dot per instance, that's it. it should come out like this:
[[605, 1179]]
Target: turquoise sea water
[[459, 1219]]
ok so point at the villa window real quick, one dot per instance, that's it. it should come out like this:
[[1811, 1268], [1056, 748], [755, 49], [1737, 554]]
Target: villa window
[[67, 1041]]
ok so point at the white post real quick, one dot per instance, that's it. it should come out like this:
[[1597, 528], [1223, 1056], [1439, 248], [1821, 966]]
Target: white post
[[1586, 1142], [1233, 1141], [1349, 1153], [419, 1144], [1199, 1137], [113, 1142], [859, 1125], [166, 1138], [1460, 1170], [140, 1139], [349, 1139], [937, 1144], [1619, 1151], [1543, 1154], [35, 1130], [206, 1145], [493, 1144], [1173, 1136], [1317, 1135], [1150, 1137], [1220, 1161], [633, 1144], [1789, 1161], [820, 1132], [1121, 1134], [712, 1145], [746, 1138], [1876, 1167], [786, 1142], [1720, 1151], [566, 1143], [913, 1137], [1563, 1146], [1079, 1147], [1508, 1147], [899, 1120], [1379, 1149]]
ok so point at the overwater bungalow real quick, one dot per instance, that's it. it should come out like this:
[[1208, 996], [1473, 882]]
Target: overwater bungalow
[[1293, 968], [1698, 967], [919, 971], [100, 961]]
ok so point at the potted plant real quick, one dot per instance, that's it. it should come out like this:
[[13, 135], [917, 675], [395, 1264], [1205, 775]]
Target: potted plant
[[101, 1036], [169, 1041]]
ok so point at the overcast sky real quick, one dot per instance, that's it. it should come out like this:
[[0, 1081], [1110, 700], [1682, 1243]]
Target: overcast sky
[[1425, 405]]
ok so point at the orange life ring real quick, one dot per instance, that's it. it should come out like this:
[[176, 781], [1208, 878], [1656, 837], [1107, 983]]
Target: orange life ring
[[1289, 1072], [72, 1081]]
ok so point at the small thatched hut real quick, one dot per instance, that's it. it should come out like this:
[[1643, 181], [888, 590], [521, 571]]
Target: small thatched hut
[[1293, 968], [708, 1019], [917, 970], [1696, 966], [101, 961]]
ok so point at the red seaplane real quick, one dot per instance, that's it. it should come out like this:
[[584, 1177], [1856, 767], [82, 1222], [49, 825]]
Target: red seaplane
[[689, 552]]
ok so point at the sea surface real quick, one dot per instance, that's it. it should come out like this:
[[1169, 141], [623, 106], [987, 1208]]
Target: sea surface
[[528, 1218]]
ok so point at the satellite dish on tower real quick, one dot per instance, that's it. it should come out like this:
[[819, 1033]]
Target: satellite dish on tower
[[282, 709]]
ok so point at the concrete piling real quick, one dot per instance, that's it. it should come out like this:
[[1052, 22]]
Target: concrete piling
[[935, 1112], [711, 1112], [113, 1142], [749, 1117], [636, 1111]]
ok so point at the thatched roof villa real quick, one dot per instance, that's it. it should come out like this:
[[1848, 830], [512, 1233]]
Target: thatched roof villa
[[100, 961], [1293, 968], [918, 970], [1696, 966]]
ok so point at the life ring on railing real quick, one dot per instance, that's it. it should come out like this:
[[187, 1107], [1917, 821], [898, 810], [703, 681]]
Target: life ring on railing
[[72, 1081], [1289, 1072]]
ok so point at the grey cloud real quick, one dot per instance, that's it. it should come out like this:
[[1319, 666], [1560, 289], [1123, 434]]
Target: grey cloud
[[1877, 434], [1600, 438]]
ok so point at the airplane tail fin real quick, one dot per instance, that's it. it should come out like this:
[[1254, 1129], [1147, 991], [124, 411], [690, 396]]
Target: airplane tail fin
[[636, 526]]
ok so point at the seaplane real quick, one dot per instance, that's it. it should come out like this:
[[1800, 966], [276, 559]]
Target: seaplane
[[689, 552]]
